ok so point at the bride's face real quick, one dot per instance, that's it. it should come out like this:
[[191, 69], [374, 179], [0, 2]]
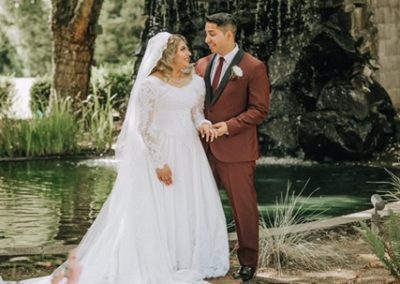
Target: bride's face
[[182, 56]]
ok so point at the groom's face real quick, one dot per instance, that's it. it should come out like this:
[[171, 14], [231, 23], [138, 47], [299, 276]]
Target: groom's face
[[216, 38]]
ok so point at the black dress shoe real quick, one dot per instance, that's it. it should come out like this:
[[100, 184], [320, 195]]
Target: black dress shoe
[[245, 273]]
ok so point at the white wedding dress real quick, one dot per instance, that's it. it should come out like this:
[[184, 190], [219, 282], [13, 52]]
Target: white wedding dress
[[149, 233]]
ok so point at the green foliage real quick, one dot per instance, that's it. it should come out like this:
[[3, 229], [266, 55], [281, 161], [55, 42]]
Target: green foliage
[[55, 133], [282, 247], [25, 26], [387, 248], [122, 22], [116, 82], [98, 121], [6, 91], [9, 60], [40, 94], [26, 40]]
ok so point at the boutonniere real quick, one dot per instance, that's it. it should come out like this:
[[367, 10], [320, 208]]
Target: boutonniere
[[236, 72]]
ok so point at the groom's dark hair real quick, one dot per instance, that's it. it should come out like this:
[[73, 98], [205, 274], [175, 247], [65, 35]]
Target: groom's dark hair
[[223, 20]]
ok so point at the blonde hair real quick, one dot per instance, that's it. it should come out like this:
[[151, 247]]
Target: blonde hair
[[164, 65]]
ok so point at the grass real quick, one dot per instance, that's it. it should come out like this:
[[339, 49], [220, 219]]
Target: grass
[[61, 130], [98, 121], [56, 132], [394, 194], [280, 248]]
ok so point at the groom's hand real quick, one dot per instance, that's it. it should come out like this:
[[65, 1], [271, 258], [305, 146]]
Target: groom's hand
[[222, 128], [208, 132], [164, 174]]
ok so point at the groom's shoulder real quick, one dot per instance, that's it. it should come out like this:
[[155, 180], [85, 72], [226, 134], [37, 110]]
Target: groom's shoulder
[[201, 64], [206, 58], [251, 59]]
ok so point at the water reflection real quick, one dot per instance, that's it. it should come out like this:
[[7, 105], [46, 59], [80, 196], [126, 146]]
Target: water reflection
[[45, 202]]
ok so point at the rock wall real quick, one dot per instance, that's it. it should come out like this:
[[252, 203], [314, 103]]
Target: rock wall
[[321, 56], [387, 20]]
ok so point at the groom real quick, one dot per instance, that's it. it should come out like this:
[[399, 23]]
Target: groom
[[237, 99]]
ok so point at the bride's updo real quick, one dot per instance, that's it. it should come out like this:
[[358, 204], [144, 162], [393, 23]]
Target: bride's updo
[[164, 65]]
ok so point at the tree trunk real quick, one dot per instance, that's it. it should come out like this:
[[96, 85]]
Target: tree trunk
[[73, 25]]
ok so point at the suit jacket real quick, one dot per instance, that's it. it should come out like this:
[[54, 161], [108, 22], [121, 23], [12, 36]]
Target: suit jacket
[[242, 102]]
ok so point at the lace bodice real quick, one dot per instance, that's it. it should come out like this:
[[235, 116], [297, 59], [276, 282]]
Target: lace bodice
[[166, 109]]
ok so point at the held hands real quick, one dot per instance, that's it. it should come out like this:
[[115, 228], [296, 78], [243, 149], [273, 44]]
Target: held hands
[[221, 127], [212, 132], [164, 174], [208, 132]]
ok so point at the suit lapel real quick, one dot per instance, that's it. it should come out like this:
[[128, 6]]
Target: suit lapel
[[207, 80], [226, 77]]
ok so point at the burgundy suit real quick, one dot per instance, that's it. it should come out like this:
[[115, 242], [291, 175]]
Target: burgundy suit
[[243, 103]]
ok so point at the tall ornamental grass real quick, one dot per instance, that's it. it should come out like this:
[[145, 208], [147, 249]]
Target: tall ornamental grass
[[280, 247], [55, 133], [98, 121]]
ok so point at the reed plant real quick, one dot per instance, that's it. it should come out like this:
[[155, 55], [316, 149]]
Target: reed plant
[[282, 247], [55, 133], [98, 120]]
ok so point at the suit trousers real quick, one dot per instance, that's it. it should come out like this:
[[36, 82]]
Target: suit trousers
[[238, 181]]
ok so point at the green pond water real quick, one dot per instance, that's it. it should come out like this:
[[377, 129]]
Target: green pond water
[[48, 202]]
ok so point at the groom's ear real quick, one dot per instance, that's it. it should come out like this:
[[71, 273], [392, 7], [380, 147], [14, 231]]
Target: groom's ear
[[230, 35]]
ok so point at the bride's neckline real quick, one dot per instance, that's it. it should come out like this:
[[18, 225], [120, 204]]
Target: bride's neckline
[[190, 80]]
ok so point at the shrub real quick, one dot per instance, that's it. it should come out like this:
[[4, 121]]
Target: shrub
[[6, 93], [386, 248], [40, 94], [113, 82]]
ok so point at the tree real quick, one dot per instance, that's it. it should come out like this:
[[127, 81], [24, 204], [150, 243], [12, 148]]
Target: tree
[[25, 37], [74, 25], [122, 23]]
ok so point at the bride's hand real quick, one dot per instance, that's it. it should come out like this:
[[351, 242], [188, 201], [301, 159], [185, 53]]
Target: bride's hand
[[164, 174], [207, 131]]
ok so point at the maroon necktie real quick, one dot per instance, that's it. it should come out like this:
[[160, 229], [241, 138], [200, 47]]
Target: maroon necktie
[[217, 74]]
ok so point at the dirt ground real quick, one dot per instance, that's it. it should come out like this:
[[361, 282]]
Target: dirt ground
[[361, 267]]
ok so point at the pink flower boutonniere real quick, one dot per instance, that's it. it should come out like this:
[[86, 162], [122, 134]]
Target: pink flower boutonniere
[[236, 72]]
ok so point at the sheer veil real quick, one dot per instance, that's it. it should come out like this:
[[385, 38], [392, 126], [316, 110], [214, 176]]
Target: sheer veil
[[129, 241], [129, 140]]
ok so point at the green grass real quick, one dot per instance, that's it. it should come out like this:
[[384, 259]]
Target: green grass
[[55, 133], [281, 248], [98, 121]]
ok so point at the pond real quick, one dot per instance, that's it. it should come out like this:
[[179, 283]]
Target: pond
[[53, 201]]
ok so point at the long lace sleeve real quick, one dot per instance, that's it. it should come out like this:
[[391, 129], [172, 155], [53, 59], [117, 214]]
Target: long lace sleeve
[[198, 111], [147, 105]]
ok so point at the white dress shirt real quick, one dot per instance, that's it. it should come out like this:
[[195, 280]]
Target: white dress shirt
[[227, 61]]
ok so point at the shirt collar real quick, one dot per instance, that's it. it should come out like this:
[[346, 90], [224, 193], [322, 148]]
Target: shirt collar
[[229, 56]]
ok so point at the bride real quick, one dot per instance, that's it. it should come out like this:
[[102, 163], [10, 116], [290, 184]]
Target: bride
[[163, 222]]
